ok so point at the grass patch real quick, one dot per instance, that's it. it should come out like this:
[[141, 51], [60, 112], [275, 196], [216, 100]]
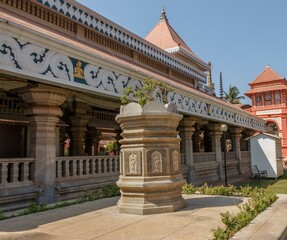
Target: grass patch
[[278, 186]]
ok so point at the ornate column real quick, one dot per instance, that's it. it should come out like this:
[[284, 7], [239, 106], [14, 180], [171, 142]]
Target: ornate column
[[91, 133], [216, 134], [196, 138], [44, 113], [186, 130], [79, 128], [236, 136]]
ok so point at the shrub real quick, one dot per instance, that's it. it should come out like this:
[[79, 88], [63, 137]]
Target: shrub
[[259, 200], [188, 189], [34, 208], [146, 92]]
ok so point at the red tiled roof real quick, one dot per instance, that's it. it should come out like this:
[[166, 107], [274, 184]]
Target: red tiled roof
[[266, 89], [165, 37], [266, 76]]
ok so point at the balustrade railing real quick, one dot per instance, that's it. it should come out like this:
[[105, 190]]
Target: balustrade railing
[[101, 117], [245, 155], [11, 105], [229, 156], [203, 157], [15, 171], [86, 167]]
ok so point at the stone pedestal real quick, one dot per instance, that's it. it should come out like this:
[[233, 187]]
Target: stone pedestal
[[150, 173]]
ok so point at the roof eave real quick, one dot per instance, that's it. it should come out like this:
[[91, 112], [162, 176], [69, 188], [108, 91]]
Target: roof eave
[[181, 50]]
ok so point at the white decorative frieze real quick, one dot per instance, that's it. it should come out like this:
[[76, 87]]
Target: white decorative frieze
[[33, 59]]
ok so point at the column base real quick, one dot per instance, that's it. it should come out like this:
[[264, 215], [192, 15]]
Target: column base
[[48, 195], [150, 197]]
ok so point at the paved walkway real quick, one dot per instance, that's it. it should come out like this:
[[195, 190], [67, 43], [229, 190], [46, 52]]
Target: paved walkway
[[100, 220]]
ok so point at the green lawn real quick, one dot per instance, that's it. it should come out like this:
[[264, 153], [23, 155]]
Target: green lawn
[[276, 186]]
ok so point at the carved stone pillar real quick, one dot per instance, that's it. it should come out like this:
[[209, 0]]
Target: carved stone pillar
[[186, 131], [216, 134], [79, 128], [150, 176], [236, 136], [43, 113], [196, 139], [91, 133]]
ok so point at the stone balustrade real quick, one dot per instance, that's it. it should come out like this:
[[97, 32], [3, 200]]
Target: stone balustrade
[[82, 167], [16, 171], [229, 155], [245, 155], [200, 157]]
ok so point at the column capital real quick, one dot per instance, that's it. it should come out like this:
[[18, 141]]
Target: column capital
[[236, 130], [215, 128], [40, 94]]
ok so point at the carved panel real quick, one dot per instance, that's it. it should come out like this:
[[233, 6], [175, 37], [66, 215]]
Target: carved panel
[[132, 163], [175, 161], [157, 162]]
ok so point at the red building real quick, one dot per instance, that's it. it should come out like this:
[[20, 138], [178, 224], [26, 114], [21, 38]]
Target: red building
[[268, 94]]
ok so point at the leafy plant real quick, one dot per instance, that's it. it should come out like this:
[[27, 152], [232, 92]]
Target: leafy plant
[[146, 92], [112, 146], [33, 208], [2, 215]]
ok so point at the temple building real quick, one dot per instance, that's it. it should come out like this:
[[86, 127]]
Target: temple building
[[62, 71], [268, 95]]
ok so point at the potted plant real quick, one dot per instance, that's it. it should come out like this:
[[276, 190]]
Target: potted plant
[[150, 178]]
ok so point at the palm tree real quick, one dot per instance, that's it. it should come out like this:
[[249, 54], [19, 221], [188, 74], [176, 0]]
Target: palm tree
[[232, 95]]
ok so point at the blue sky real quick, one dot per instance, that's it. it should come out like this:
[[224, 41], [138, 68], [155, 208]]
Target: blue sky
[[239, 37]]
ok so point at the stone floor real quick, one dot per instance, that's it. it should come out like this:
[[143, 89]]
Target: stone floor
[[100, 220]]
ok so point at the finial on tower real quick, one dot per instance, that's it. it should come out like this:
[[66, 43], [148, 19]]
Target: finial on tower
[[163, 15]]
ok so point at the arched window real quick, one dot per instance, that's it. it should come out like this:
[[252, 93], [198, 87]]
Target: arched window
[[272, 127], [277, 97]]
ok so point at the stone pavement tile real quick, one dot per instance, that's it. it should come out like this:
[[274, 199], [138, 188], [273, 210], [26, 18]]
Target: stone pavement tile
[[101, 220]]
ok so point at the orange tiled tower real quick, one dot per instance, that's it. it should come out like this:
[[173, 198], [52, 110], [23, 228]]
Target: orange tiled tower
[[165, 37], [268, 94]]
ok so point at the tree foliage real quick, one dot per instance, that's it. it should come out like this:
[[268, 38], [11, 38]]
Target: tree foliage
[[233, 95]]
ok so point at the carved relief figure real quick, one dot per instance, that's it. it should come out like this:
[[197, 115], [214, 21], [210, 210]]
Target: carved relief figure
[[78, 71], [156, 162], [175, 161], [133, 163]]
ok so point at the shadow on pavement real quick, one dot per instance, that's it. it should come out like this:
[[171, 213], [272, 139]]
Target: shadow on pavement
[[33, 221]]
